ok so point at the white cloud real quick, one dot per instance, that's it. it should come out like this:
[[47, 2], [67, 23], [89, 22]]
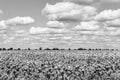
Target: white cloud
[[9, 40], [19, 20], [20, 31], [108, 15], [110, 29], [38, 30], [115, 33], [91, 1], [67, 37], [2, 31], [84, 2], [56, 24], [41, 30], [3, 25], [91, 25], [87, 32], [68, 10], [3, 36], [113, 23]]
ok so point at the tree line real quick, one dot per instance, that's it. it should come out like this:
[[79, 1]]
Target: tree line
[[90, 49]]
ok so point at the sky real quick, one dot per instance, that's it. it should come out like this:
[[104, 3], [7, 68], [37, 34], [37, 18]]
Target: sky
[[60, 23]]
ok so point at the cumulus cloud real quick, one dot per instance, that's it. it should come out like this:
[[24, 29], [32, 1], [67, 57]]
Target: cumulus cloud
[[37, 30], [84, 2], [2, 31], [87, 32], [3, 25], [87, 2], [56, 24], [67, 38], [114, 32], [41, 30], [91, 25], [20, 20], [68, 10], [110, 29], [108, 15], [9, 40], [20, 31], [113, 23]]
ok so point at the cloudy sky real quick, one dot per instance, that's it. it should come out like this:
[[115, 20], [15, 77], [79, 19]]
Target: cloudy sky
[[60, 23]]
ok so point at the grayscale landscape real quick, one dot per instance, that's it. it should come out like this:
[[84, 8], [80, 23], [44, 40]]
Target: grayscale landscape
[[59, 39]]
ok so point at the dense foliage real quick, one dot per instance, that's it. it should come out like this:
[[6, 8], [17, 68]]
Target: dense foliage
[[59, 65]]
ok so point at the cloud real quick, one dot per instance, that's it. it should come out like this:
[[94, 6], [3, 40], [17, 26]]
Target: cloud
[[113, 23], [88, 2], [19, 21], [20, 31], [109, 1], [68, 10], [38, 30], [9, 40], [3, 36], [82, 2], [67, 38], [3, 25], [91, 25], [1, 12], [110, 28], [41, 30], [115, 33], [56, 24], [108, 15], [2, 31], [87, 32], [109, 32]]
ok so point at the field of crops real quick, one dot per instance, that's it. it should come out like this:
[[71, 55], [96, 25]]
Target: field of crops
[[59, 65]]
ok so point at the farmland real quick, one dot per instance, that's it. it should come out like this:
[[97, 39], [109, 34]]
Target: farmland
[[59, 65]]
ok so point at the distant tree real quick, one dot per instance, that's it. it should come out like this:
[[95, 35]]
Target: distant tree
[[75, 49], [92, 49], [84, 49], [18, 49], [112, 49], [40, 48], [69, 49], [62, 49], [96, 49], [47, 49], [0, 49], [80, 49], [55, 49], [10, 49], [89, 49], [4, 49], [29, 49]]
